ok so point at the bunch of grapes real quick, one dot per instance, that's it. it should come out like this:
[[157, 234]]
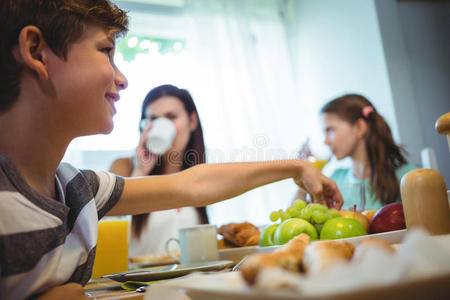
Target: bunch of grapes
[[315, 213]]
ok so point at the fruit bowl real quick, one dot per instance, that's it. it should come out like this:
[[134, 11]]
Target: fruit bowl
[[392, 237]]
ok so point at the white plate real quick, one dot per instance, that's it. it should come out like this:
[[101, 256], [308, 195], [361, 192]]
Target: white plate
[[164, 272], [435, 287], [162, 262], [236, 254]]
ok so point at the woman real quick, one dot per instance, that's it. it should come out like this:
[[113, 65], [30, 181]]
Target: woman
[[354, 129], [150, 231]]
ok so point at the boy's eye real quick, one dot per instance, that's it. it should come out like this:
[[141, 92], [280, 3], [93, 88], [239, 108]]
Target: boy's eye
[[107, 51]]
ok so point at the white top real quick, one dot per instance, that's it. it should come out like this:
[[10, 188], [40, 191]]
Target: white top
[[161, 226]]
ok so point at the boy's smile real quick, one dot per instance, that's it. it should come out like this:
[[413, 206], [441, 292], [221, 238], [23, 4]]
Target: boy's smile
[[111, 98], [87, 83]]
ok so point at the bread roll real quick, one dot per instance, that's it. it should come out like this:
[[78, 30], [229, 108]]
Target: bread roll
[[288, 257], [371, 243], [321, 255]]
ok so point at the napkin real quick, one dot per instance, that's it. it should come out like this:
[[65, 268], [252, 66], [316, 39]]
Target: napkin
[[132, 285]]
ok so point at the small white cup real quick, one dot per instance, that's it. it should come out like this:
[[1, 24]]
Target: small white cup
[[161, 136], [197, 244]]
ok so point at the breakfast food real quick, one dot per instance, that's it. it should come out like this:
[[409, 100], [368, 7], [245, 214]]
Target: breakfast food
[[153, 258], [319, 256], [299, 255], [223, 244], [371, 243], [298, 218], [288, 257], [240, 234]]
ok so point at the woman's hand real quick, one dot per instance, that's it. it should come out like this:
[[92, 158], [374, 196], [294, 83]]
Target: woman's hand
[[322, 189], [69, 291], [145, 160]]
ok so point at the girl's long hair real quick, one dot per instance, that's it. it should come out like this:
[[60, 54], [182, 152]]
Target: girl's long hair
[[194, 153], [385, 156]]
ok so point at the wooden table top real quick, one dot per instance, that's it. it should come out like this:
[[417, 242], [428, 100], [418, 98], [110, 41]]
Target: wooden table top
[[104, 288]]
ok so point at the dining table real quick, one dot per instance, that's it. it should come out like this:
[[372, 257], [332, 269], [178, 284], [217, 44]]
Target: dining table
[[104, 288]]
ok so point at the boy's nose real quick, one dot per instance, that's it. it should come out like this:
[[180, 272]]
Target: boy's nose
[[120, 80]]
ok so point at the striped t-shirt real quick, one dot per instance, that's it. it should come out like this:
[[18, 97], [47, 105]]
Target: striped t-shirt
[[45, 242]]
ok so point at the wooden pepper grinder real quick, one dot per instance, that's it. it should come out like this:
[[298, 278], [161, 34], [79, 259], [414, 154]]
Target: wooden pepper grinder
[[424, 194]]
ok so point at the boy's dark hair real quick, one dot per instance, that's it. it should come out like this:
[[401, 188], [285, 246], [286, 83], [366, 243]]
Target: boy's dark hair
[[385, 156], [62, 22]]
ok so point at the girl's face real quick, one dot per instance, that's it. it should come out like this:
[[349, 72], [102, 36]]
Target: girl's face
[[341, 136], [173, 109]]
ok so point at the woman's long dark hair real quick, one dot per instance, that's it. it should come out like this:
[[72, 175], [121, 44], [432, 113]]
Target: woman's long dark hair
[[194, 153], [385, 156]]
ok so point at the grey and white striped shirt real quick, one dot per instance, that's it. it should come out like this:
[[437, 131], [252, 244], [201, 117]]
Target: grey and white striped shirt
[[44, 242]]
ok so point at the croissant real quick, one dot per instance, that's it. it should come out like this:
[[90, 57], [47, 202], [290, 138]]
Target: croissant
[[288, 257], [240, 234]]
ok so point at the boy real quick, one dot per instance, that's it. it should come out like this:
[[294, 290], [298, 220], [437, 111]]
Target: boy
[[59, 82]]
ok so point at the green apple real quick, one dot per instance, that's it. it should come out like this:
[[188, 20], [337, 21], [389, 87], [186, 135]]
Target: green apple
[[290, 228], [339, 228], [266, 236], [318, 228]]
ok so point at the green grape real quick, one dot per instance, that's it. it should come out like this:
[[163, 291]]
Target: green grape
[[334, 213], [319, 217], [318, 206], [285, 216], [274, 216], [299, 204], [292, 212], [306, 213], [328, 215]]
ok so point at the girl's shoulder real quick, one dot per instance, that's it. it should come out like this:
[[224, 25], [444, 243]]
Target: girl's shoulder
[[341, 172]]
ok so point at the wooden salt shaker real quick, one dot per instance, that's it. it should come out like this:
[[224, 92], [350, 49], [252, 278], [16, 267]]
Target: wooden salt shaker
[[424, 194], [425, 202]]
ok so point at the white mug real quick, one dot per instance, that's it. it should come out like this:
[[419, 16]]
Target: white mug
[[161, 136], [197, 244]]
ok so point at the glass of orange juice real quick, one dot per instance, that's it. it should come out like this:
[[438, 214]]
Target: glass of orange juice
[[317, 162], [112, 247]]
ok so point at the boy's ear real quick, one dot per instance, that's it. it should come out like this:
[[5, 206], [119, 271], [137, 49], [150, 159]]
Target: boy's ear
[[32, 50]]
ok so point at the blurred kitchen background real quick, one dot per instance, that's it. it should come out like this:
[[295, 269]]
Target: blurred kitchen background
[[259, 71]]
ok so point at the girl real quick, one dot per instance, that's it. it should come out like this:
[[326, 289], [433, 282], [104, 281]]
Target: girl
[[355, 129]]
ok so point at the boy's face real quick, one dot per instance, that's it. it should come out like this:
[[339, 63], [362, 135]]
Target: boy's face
[[87, 83]]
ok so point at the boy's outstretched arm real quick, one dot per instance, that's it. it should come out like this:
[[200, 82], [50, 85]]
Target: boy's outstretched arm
[[210, 183]]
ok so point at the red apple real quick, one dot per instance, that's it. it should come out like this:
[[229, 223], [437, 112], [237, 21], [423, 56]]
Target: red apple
[[388, 218]]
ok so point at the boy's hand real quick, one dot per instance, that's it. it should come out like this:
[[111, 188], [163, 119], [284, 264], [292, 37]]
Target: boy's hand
[[69, 291], [322, 189], [145, 160]]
